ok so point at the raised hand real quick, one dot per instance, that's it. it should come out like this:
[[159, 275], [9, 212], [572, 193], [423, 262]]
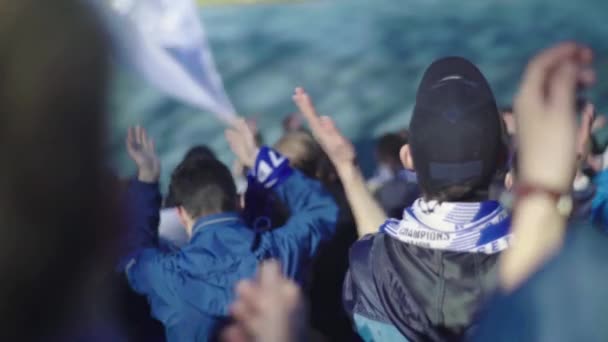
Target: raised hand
[[242, 142], [142, 151], [545, 111], [337, 147], [366, 210], [599, 122], [548, 143], [269, 309]]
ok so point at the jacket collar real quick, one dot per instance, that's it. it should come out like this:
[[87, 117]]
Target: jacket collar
[[215, 220]]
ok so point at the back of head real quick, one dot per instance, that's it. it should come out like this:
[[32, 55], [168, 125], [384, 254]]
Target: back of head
[[302, 151], [195, 153], [456, 132], [203, 187], [53, 62], [387, 149], [199, 152]]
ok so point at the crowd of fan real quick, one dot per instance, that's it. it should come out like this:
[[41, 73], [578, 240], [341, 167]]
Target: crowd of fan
[[478, 224]]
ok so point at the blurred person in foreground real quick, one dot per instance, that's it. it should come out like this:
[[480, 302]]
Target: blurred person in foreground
[[190, 290], [267, 309], [553, 280], [448, 243], [57, 216]]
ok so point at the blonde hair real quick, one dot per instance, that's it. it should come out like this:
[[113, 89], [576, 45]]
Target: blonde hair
[[302, 151]]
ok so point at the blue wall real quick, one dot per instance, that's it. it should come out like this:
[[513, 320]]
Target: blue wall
[[361, 60]]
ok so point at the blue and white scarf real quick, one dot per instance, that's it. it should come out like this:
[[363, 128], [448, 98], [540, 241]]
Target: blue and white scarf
[[482, 227]]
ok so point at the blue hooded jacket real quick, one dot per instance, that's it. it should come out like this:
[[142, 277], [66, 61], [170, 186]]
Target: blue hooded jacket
[[190, 290]]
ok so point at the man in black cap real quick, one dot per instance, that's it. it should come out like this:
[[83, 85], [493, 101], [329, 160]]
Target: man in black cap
[[423, 278]]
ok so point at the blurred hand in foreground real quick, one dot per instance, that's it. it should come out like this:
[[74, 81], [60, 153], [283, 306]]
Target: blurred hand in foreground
[[547, 152], [545, 115], [142, 151], [583, 138], [269, 309]]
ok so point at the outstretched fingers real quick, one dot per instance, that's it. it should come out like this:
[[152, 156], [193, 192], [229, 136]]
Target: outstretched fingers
[[306, 107]]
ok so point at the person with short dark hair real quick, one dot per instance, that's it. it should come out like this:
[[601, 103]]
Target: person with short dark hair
[[199, 152], [196, 152], [394, 187], [201, 188], [191, 289], [386, 154], [171, 232], [387, 150]]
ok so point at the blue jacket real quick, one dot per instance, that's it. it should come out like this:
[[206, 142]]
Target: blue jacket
[[599, 205], [190, 290], [564, 301]]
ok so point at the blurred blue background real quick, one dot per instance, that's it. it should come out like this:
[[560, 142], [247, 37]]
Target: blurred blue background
[[361, 61]]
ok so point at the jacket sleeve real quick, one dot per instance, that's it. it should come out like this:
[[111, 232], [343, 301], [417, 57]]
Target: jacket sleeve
[[314, 213], [143, 203], [149, 270]]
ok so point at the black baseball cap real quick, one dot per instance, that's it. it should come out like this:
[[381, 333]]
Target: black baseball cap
[[456, 135]]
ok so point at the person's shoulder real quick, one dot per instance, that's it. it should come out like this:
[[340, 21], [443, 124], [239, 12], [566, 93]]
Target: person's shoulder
[[363, 253]]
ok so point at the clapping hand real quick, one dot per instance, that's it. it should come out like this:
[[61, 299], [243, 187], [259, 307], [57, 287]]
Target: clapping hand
[[337, 147], [546, 120], [269, 309], [142, 151]]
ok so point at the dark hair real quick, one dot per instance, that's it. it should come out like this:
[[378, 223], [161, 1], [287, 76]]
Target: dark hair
[[54, 200], [506, 109], [199, 152], [388, 146], [203, 187], [466, 192]]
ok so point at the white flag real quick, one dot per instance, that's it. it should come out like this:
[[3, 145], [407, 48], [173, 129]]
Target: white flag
[[164, 40]]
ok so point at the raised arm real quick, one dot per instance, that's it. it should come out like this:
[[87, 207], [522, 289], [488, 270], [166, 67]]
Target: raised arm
[[546, 127], [366, 210], [143, 195], [313, 211], [149, 271]]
